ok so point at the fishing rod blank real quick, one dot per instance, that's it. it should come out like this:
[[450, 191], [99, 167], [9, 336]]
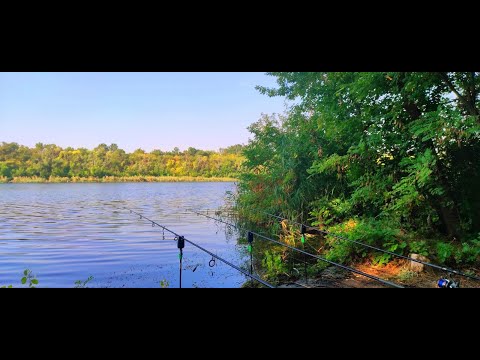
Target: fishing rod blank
[[231, 265], [177, 237], [309, 254], [378, 249]]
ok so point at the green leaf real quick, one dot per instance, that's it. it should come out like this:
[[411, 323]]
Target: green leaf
[[35, 281], [24, 280], [25, 272]]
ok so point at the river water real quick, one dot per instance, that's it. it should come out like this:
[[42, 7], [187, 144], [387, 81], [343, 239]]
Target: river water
[[67, 232]]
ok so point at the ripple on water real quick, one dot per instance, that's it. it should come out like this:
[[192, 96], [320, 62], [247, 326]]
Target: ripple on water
[[66, 232]]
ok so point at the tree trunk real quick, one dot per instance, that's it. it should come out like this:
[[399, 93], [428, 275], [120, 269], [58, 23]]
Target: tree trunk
[[448, 218], [449, 213], [451, 221]]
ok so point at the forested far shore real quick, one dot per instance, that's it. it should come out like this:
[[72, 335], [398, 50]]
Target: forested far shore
[[109, 163]]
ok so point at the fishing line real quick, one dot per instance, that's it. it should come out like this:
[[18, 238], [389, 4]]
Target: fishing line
[[181, 243], [386, 282], [443, 268]]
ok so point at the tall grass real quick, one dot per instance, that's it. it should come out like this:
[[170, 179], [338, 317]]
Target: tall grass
[[114, 179], [25, 179]]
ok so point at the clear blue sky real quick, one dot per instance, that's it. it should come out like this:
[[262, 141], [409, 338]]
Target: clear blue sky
[[134, 110]]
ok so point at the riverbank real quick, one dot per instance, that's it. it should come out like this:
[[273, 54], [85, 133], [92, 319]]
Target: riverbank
[[398, 272], [114, 179]]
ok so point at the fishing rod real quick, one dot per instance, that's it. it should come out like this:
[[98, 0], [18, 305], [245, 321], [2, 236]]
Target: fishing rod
[[153, 222], [180, 239], [443, 268], [306, 253]]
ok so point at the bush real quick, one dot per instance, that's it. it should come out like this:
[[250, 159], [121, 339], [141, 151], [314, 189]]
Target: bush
[[378, 233], [419, 247], [273, 264], [465, 253]]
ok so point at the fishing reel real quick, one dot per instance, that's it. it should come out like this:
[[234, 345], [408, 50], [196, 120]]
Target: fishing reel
[[445, 282]]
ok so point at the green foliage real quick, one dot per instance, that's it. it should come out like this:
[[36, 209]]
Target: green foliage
[[444, 251], [470, 252], [273, 264], [53, 163], [165, 284], [378, 233], [466, 252], [83, 284], [32, 281], [27, 278], [419, 247], [319, 266], [326, 212], [396, 152], [341, 252]]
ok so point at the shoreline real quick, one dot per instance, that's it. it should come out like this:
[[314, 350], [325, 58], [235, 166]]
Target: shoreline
[[114, 179]]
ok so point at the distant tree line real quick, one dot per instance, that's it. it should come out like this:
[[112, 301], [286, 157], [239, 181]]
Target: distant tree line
[[51, 160]]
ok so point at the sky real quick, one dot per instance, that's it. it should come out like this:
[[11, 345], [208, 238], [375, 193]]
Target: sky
[[135, 110]]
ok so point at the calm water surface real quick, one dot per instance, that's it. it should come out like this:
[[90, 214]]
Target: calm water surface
[[67, 232]]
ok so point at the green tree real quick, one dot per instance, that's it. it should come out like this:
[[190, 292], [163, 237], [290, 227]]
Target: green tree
[[425, 126], [392, 149]]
